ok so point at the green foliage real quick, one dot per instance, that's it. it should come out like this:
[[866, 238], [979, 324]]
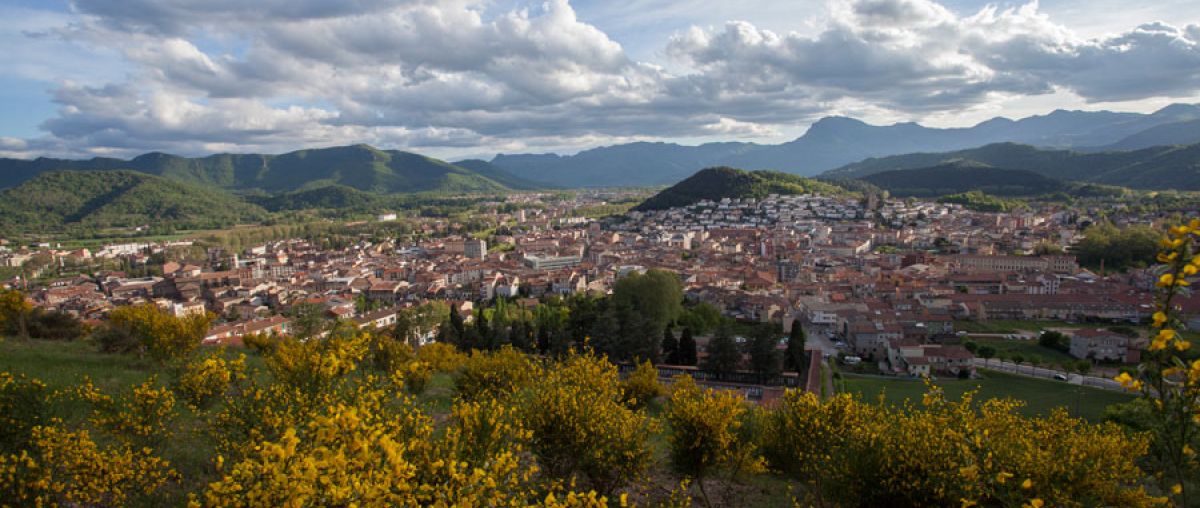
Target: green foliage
[[958, 177], [687, 348], [724, 182], [99, 199], [978, 201], [724, 357], [1054, 340], [795, 358], [764, 357], [1117, 248]]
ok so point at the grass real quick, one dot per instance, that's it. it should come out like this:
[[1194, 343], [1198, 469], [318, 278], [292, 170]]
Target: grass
[[1027, 348], [1040, 396]]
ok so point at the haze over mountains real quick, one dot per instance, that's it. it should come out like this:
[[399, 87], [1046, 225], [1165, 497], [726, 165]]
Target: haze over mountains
[[836, 141]]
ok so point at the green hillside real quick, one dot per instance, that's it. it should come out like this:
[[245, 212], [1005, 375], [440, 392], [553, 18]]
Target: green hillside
[[1156, 168], [359, 166], [118, 199], [723, 182], [957, 177]]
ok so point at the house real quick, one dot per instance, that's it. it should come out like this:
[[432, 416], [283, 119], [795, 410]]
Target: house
[[1103, 345]]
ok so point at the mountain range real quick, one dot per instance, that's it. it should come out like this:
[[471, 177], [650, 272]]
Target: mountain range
[[1156, 168], [361, 167], [836, 141]]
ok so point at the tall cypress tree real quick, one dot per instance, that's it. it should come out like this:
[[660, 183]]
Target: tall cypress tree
[[686, 355], [794, 358]]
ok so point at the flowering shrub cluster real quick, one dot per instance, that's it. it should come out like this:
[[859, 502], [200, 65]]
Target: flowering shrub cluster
[[950, 453], [204, 379]]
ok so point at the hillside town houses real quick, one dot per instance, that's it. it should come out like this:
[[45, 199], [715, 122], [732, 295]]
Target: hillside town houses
[[888, 277]]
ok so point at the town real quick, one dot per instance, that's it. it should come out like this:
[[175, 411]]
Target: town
[[884, 282]]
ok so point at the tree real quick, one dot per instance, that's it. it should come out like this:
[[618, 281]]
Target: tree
[[670, 347], [764, 357], [723, 354], [1054, 340], [971, 346], [14, 312], [1082, 367], [307, 321], [687, 348], [986, 352], [795, 358]]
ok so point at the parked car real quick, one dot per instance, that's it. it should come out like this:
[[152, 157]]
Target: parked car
[[1060, 377]]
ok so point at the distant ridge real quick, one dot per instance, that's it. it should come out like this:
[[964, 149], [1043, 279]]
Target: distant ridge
[[836, 141], [360, 167], [1156, 168]]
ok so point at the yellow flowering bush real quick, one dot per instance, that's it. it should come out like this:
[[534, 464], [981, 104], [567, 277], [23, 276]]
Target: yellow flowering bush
[[147, 329], [581, 428], [315, 365], [143, 416], [641, 386], [14, 311], [705, 434], [1168, 378], [414, 376], [495, 374], [442, 357], [950, 453], [204, 379], [388, 353], [68, 468]]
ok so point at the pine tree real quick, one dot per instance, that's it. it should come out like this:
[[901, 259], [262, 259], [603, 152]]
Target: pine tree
[[723, 354], [686, 355]]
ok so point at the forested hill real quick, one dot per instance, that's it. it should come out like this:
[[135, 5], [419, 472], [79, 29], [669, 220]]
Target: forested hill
[[56, 199], [953, 178], [360, 167], [723, 182], [1156, 168]]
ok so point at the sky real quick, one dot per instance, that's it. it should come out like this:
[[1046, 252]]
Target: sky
[[466, 78]]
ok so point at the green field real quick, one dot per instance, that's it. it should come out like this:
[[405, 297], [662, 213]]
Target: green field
[[1040, 396], [1027, 348]]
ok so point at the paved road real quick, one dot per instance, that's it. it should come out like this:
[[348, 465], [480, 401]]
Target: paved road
[[1041, 372]]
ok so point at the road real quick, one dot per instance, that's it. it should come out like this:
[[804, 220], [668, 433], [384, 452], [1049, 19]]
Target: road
[[1041, 372]]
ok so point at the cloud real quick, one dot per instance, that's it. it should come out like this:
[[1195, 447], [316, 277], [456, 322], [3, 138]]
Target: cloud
[[440, 74]]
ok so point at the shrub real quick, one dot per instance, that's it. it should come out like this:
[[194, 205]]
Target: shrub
[[705, 427], [24, 405], [204, 379], [950, 453], [146, 329], [495, 374], [442, 357], [641, 386], [581, 428]]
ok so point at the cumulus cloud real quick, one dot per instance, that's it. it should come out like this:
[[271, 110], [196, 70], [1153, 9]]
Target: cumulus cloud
[[281, 74]]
